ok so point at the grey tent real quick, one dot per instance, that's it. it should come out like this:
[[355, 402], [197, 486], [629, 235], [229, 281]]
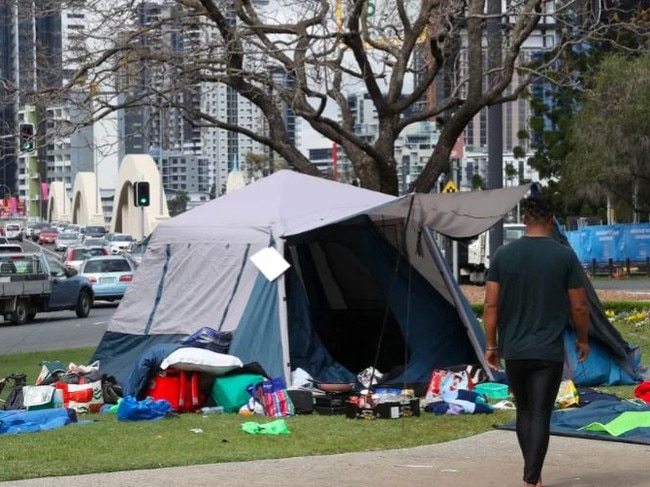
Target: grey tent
[[366, 286]]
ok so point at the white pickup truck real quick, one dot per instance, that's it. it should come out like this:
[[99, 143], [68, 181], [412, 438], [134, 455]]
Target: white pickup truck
[[30, 283], [478, 259]]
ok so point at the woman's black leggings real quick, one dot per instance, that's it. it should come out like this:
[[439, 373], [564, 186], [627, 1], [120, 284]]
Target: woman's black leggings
[[535, 384]]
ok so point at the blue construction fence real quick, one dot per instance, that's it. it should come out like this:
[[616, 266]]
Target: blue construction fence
[[612, 248]]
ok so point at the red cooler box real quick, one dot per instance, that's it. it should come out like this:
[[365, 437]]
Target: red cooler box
[[179, 387]]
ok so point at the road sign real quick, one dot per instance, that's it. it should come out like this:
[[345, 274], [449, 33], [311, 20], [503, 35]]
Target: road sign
[[450, 187]]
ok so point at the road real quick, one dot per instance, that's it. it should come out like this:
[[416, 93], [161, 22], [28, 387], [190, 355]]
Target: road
[[57, 330], [635, 285]]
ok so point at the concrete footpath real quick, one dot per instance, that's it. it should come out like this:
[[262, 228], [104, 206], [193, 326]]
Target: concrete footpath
[[490, 459]]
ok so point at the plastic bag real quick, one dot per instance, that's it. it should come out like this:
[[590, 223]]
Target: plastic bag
[[277, 427], [83, 398], [38, 397], [369, 377], [273, 396], [50, 372], [210, 339], [443, 381], [301, 378], [567, 395], [15, 398], [130, 409]]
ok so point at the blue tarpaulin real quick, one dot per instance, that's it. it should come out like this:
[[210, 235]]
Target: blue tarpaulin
[[616, 242], [20, 421], [568, 422]]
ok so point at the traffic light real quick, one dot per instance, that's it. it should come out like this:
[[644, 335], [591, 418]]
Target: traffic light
[[26, 137], [142, 197]]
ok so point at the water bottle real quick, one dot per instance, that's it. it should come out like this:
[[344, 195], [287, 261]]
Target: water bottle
[[212, 410], [57, 399]]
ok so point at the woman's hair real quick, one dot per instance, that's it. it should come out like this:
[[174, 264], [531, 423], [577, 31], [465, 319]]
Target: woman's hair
[[537, 208]]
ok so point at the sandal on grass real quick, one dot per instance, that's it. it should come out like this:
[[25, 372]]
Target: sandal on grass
[[504, 405]]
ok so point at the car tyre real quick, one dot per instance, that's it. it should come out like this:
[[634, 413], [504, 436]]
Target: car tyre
[[20, 315], [84, 303]]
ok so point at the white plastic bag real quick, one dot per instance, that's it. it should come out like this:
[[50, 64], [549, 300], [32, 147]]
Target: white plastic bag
[[301, 378], [369, 377]]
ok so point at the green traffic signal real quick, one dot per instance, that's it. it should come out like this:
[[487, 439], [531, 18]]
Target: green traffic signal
[[26, 137], [142, 197]]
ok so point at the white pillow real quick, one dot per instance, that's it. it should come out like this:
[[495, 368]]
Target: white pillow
[[201, 359]]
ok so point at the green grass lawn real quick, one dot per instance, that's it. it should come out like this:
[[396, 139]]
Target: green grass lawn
[[105, 444]]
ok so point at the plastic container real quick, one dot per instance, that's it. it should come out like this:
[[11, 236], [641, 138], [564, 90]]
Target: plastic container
[[492, 390], [212, 410]]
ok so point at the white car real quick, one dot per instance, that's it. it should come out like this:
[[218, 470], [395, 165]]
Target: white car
[[119, 242], [66, 239], [13, 231], [75, 256]]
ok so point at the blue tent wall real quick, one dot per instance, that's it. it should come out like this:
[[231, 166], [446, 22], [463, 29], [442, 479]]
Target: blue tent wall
[[613, 360], [307, 350], [599, 368], [118, 352], [429, 324], [258, 338]]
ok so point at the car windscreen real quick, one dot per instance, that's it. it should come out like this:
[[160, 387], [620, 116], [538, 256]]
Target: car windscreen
[[68, 236], [101, 230], [79, 254], [10, 249], [107, 266]]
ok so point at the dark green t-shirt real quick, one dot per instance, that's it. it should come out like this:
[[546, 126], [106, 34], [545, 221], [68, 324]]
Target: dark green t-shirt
[[534, 274]]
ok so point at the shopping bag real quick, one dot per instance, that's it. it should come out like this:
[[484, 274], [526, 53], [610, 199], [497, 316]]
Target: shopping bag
[[567, 395], [38, 397], [50, 372], [83, 398], [274, 397], [444, 381], [130, 409]]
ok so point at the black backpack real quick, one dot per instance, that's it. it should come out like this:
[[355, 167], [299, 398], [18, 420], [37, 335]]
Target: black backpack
[[15, 397]]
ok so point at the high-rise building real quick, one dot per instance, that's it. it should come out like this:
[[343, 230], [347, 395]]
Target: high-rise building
[[516, 114], [39, 52], [161, 128]]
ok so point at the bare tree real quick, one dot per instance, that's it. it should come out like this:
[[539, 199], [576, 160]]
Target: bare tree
[[310, 55]]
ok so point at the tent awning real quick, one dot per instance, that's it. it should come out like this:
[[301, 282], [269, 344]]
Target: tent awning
[[456, 215]]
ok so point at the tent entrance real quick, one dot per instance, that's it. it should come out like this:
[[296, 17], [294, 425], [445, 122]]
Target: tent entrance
[[339, 314], [352, 337]]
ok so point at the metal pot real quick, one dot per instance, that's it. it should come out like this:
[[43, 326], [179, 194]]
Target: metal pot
[[334, 386]]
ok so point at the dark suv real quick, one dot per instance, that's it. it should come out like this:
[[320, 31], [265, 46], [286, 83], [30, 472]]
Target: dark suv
[[94, 231]]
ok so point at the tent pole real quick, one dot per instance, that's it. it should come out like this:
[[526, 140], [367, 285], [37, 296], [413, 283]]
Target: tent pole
[[479, 346]]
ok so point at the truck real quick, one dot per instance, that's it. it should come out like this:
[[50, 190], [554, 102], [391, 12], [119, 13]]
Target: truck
[[478, 259], [32, 283]]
